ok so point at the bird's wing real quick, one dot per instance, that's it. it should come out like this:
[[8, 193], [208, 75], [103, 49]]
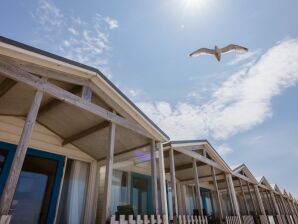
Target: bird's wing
[[233, 47], [201, 51]]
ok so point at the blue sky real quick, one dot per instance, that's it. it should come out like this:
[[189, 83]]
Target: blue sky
[[245, 105]]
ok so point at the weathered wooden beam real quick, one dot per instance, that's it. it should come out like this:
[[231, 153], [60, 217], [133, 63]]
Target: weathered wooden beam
[[217, 194], [233, 194], [154, 177], [173, 184], [86, 132], [197, 182], [251, 198], [56, 102], [183, 167], [109, 173], [47, 72], [200, 158], [6, 85], [126, 151], [244, 198], [259, 198], [19, 157], [86, 93], [205, 178], [20, 75], [162, 176]]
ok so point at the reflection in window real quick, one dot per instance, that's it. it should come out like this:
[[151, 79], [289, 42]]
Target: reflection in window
[[119, 190], [190, 199], [3, 155], [73, 197], [34, 190], [207, 202]]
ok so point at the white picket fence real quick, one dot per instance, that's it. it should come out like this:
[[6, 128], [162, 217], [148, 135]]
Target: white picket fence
[[182, 219], [248, 219], [290, 219], [139, 220], [190, 219], [264, 219], [233, 220], [295, 219]]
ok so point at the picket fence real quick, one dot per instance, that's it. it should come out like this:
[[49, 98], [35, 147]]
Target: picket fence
[[233, 220], [264, 219], [248, 219], [182, 219]]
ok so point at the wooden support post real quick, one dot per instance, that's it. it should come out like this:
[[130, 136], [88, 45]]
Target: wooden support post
[[173, 182], [86, 93], [252, 198], [18, 160], [260, 202], [275, 203], [162, 179], [154, 177], [270, 202], [109, 173], [289, 205], [244, 198], [283, 205], [217, 194], [230, 196], [233, 194], [197, 181]]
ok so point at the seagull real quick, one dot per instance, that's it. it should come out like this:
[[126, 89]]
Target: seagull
[[218, 51]]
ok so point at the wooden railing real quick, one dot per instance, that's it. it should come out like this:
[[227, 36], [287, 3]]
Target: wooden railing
[[248, 219]]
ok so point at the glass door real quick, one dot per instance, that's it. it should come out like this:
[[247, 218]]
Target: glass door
[[38, 186], [141, 194]]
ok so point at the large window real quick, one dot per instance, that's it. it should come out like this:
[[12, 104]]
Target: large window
[[73, 197], [119, 190], [191, 203]]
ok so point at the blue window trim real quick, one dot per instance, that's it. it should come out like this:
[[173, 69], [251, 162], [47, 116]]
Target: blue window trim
[[204, 202], [148, 179], [11, 148]]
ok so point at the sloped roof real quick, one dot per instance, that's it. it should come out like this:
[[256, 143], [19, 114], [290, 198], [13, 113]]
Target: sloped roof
[[265, 182], [96, 76], [243, 168], [193, 144]]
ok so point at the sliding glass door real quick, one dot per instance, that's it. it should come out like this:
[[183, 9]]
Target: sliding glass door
[[141, 194], [38, 187]]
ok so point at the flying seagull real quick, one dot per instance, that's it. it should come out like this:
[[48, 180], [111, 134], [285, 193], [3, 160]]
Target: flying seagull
[[218, 51]]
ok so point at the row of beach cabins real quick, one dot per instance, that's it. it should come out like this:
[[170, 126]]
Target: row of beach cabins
[[74, 149]]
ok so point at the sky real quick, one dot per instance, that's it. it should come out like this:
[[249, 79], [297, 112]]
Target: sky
[[245, 105]]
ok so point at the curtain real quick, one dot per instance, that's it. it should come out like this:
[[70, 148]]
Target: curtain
[[119, 190], [73, 197]]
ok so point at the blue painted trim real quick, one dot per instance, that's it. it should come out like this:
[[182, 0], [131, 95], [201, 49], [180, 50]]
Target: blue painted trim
[[204, 202], [148, 179], [11, 148], [56, 187]]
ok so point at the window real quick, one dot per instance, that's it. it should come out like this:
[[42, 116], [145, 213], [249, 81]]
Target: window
[[73, 197], [119, 190]]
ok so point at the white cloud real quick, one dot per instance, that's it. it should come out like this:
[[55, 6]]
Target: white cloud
[[113, 23], [48, 15], [240, 103], [84, 41], [224, 150], [241, 57]]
